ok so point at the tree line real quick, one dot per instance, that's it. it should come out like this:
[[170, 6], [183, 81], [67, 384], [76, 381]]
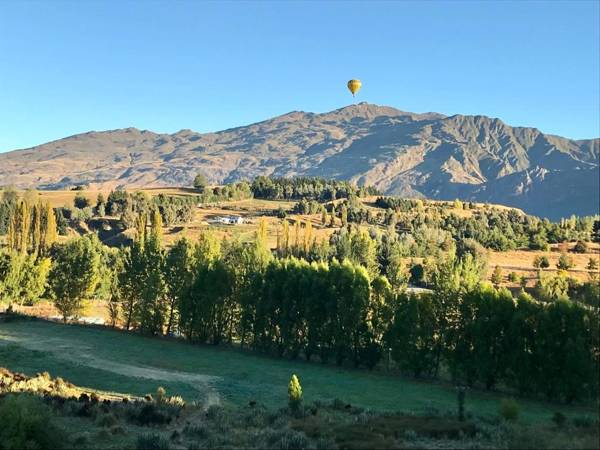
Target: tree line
[[342, 300], [308, 188], [494, 228], [334, 310]]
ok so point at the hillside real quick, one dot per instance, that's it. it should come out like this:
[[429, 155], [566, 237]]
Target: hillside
[[470, 157]]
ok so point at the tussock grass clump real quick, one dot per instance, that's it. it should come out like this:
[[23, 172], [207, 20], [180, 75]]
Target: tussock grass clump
[[153, 441], [107, 420], [199, 431]]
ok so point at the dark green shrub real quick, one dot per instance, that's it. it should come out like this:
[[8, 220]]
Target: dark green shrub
[[80, 201], [580, 247], [509, 410], [152, 441], [150, 414], [107, 420], [25, 422], [370, 354]]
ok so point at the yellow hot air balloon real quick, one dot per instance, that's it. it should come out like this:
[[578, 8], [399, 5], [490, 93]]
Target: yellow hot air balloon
[[354, 86]]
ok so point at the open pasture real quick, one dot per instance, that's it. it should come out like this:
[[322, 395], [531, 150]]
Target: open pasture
[[110, 360]]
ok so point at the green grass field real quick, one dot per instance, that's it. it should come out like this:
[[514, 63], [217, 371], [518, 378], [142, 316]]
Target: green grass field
[[116, 361]]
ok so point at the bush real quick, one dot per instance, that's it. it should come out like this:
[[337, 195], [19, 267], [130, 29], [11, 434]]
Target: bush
[[81, 202], [509, 410], [200, 182], [541, 262], [27, 423], [149, 414], [294, 393], [564, 262], [152, 441], [107, 421], [580, 247]]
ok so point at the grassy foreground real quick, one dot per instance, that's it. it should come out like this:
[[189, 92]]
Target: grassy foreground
[[116, 361]]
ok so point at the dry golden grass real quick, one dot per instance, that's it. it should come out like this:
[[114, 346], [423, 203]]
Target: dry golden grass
[[521, 261], [65, 198]]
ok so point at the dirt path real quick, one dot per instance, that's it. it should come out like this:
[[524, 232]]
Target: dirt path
[[83, 355]]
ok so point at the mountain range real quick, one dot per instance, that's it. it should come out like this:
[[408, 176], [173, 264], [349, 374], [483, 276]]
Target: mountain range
[[429, 155]]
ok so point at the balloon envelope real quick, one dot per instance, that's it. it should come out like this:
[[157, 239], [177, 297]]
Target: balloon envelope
[[354, 86]]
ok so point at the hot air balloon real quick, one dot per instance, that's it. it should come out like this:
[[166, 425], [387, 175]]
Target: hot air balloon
[[354, 86]]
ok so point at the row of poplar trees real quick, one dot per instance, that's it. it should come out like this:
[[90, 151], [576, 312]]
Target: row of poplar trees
[[25, 263], [215, 291]]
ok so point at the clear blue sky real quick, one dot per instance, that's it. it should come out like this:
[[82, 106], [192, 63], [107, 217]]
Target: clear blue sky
[[71, 67]]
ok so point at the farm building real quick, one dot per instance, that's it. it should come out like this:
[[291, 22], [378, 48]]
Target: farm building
[[230, 220]]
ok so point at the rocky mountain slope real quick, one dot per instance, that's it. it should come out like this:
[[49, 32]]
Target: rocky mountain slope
[[432, 155]]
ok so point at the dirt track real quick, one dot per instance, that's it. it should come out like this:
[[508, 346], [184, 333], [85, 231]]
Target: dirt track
[[80, 354]]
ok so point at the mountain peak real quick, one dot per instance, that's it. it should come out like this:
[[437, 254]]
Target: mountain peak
[[469, 157]]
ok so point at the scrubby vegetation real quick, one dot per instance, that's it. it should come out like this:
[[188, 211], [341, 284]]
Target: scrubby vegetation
[[53, 417]]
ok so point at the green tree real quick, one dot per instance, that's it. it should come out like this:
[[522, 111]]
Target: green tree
[[200, 182], [19, 227], [541, 262], [497, 276], [344, 215], [151, 310], [580, 247], [523, 281], [49, 228], [130, 281], [75, 274], [553, 287], [397, 270], [294, 393], [178, 278], [565, 262], [23, 277], [36, 227], [81, 201], [412, 335]]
